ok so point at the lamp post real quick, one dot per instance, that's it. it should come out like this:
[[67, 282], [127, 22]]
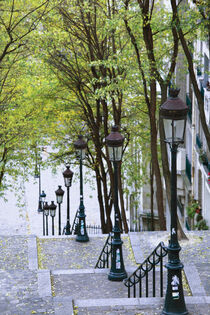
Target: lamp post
[[67, 175], [38, 175], [52, 208], [174, 115], [59, 198], [82, 236], [114, 142], [46, 213], [42, 198]]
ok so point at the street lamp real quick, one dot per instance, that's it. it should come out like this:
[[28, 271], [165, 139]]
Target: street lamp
[[46, 213], [59, 198], [52, 208], [82, 236], [174, 115], [67, 175], [42, 199], [114, 142], [37, 174]]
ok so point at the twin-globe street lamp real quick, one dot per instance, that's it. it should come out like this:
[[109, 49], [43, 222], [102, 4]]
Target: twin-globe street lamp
[[59, 198], [41, 206], [46, 213], [82, 236], [114, 142], [67, 175], [52, 208], [49, 209], [174, 114]]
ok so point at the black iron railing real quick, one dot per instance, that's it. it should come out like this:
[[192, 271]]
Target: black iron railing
[[140, 281], [93, 229], [75, 223], [104, 260]]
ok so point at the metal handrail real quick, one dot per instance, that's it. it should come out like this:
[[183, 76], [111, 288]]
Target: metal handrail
[[143, 270], [75, 223], [105, 255]]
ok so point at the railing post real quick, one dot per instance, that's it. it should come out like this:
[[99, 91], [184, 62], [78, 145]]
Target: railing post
[[153, 282]]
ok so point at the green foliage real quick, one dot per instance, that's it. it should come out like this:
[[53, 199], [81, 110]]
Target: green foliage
[[201, 225], [191, 209]]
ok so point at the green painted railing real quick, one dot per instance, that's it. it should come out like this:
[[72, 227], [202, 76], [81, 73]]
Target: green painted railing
[[202, 91], [198, 141], [199, 72], [189, 104], [188, 169]]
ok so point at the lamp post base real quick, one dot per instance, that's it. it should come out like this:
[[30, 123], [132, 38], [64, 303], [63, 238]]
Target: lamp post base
[[82, 235], [67, 228], [82, 238], [117, 276], [174, 300], [117, 271], [172, 313]]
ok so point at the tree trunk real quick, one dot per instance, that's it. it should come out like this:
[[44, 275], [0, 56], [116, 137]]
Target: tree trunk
[[123, 214], [152, 195]]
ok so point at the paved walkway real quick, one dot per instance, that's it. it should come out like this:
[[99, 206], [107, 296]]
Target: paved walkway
[[57, 276]]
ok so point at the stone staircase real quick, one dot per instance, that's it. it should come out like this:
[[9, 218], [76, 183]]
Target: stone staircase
[[56, 275]]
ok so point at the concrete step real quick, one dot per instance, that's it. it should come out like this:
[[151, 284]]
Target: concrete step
[[77, 282], [137, 306]]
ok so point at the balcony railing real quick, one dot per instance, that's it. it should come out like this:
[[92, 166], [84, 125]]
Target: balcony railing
[[198, 141], [188, 169], [202, 91], [189, 104], [199, 72]]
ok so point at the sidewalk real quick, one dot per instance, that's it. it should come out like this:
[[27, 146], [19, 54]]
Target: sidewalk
[[56, 275]]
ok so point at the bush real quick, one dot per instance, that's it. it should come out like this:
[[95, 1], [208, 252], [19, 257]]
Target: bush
[[201, 225], [193, 208]]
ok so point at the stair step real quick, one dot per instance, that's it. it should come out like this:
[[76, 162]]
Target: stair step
[[76, 283], [138, 306]]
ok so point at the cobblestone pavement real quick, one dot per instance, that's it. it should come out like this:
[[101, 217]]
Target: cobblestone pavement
[[66, 253], [29, 306], [13, 252]]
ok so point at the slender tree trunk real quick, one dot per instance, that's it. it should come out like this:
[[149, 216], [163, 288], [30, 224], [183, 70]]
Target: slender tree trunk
[[154, 153], [123, 214], [152, 195], [100, 201]]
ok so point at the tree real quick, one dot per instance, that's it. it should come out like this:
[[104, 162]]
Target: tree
[[17, 117], [149, 40], [84, 53]]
